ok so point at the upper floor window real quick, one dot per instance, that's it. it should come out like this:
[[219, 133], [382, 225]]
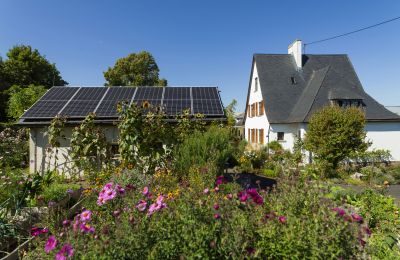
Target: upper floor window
[[256, 84], [281, 136], [348, 102]]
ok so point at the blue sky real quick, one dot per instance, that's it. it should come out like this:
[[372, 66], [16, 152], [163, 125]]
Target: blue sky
[[204, 42]]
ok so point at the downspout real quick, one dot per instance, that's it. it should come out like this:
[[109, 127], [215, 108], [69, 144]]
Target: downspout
[[269, 130]]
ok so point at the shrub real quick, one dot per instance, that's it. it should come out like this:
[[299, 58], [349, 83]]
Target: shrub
[[334, 133], [58, 191], [213, 146], [14, 148]]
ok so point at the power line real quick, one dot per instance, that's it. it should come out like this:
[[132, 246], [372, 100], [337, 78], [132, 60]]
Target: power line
[[359, 30]]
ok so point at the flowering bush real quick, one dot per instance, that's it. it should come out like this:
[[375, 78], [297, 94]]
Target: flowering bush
[[220, 220]]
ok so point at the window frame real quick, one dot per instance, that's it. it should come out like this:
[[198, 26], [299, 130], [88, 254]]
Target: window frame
[[280, 136]]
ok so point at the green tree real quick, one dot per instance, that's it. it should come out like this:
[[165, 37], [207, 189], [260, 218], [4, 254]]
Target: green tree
[[230, 112], [137, 69], [22, 98], [26, 66], [334, 133]]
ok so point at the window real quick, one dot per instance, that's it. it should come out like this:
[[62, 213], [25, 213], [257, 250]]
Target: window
[[248, 111], [253, 136], [261, 108], [281, 136], [293, 80], [255, 84], [248, 134], [348, 102], [261, 136]]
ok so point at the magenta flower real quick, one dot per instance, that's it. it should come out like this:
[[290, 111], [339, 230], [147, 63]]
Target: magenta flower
[[86, 228], [229, 196], [66, 251], [216, 206], [357, 218], [206, 191], [141, 206], [66, 223], [220, 180], [36, 231], [242, 195], [270, 215], [145, 191], [362, 242], [106, 194], [367, 231], [217, 216], [86, 215], [50, 244], [282, 219], [341, 212]]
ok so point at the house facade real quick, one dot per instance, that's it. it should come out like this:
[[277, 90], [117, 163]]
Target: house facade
[[286, 89]]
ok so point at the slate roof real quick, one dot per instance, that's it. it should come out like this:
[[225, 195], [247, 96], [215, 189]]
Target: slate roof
[[321, 79]]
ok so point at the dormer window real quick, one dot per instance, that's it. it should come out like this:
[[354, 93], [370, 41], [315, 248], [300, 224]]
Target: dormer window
[[293, 80], [348, 102], [256, 84]]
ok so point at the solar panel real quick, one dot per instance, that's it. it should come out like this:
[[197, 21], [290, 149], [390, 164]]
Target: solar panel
[[149, 93], [207, 107], [59, 93], [177, 93], [175, 106], [115, 95], [92, 93], [205, 93], [79, 108], [46, 109]]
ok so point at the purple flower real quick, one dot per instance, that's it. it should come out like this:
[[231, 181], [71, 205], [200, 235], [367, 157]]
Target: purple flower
[[86, 228], [106, 194], [65, 251], [52, 204], [216, 206], [362, 242], [217, 216], [69, 191], [206, 191], [158, 205], [282, 219], [86, 215], [120, 189], [141, 206], [129, 187], [50, 244], [250, 250], [367, 231], [242, 195], [66, 222]]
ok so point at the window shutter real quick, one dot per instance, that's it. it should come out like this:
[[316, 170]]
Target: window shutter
[[261, 136]]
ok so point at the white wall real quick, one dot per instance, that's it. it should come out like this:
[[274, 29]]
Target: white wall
[[385, 135], [42, 157]]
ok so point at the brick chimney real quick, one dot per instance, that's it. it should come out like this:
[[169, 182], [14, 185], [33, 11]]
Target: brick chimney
[[295, 49]]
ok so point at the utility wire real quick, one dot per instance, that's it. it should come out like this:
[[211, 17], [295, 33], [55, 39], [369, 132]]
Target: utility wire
[[359, 30]]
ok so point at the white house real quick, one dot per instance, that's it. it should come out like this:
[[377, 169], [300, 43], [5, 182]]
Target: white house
[[286, 89]]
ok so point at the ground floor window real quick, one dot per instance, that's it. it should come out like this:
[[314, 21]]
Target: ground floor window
[[281, 136], [255, 135]]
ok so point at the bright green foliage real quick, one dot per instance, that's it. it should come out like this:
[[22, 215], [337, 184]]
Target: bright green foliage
[[58, 191], [89, 147], [54, 131], [188, 124], [22, 98], [214, 145], [144, 139], [137, 69], [230, 112], [334, 133]]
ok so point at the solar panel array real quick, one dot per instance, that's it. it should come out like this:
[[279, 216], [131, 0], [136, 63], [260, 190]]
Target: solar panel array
[[77, 102]]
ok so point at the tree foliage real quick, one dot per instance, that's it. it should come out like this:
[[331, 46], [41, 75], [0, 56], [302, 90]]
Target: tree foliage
[[334, 133], [26, 66], [136, 69], [22, 98], [230, 112]]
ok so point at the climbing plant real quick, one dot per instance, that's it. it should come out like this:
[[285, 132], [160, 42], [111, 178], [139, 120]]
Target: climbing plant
[[89, 148], [54, 133]]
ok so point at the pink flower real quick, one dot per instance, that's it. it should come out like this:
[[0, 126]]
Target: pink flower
[[217, 216], [145, 191], [357, 218], [66, 222], [206, 191], [50, 244], [216, 189], [65, 251], [86, 228], [141, 206], [158, 205], [86, 215], [229, 196], [282, 219], [216, 206], [106, 194]]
